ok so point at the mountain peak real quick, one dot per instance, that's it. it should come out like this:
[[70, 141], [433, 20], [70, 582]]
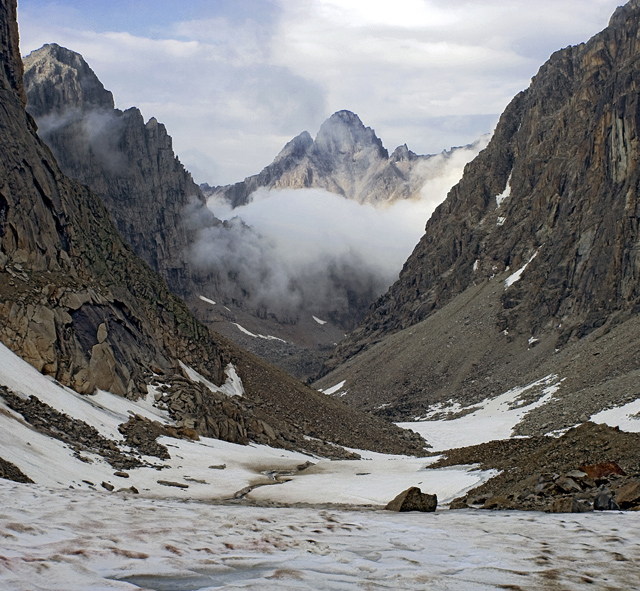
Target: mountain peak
[[57, 79], [345, 133]]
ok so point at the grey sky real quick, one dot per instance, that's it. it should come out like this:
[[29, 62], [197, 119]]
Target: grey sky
[[234, 80]]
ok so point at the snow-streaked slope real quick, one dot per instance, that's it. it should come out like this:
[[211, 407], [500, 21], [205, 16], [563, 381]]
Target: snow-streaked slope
[[74, 541], [491, 419], [197, 465]]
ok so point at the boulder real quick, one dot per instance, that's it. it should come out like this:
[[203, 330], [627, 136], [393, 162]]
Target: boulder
[[413, 499], [605, 501], [498, 503], [629, 495], [458, 503]]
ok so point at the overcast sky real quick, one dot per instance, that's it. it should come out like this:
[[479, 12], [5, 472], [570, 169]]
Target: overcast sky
[[234, 80]]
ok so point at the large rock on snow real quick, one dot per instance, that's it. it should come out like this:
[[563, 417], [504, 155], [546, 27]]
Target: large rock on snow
[[413, 499]]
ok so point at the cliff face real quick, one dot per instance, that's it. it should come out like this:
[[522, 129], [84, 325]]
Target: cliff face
[[80, 306], [556, 188], [346, 158], [129, 164], [531, 266]]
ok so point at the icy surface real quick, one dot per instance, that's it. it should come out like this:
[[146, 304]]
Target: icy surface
[[492, 418], [73, 541], [509, 281]]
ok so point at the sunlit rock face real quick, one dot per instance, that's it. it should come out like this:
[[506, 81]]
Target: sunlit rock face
[[345, 158]]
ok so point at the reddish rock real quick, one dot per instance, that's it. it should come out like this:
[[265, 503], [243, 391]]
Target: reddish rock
[[602, 469]]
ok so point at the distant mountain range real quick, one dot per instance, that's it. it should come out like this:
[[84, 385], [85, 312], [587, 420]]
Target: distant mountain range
[[80, 306]]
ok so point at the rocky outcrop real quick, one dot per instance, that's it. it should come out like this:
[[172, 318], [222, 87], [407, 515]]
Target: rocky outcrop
[[130, 164], [345, 158], [83, 308], [591, 467]]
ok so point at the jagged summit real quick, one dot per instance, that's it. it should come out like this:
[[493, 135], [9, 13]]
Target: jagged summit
[[60, 79], [345, 158], [81, 307], [130, 164]]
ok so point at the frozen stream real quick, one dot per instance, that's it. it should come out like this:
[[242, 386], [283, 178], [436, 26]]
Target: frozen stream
[[78, 540]]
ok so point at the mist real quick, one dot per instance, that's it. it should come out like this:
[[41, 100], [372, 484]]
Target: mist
[[308, 251]]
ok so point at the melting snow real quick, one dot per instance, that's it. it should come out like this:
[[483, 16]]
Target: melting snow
[[207, 300], [73, 541], [627, 417], [319, 321], [509, 281], [231, 387]]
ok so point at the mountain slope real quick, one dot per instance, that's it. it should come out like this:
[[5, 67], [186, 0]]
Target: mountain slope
[[535, 254], [81, 307], [345, 158]]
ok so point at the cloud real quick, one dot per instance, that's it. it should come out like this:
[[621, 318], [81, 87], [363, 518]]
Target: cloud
[[234, 81], [308, 251]]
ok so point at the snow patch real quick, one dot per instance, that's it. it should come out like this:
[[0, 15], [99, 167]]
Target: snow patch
[[505, 194], [334, 389], [207, 300], [494, 419], [257, 336], [509, 281], [318, 320], [231, 387], [501, 220], [627, 417]]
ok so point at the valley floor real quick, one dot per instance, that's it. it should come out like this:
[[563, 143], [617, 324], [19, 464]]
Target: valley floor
[[78, 540]]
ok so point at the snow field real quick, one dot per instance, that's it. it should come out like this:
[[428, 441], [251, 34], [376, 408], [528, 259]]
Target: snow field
[[73, 541]]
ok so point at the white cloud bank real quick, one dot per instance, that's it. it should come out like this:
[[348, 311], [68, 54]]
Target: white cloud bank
[[308, 249]]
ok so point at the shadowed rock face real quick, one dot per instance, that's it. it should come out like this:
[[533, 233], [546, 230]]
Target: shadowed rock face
[[346, 158], [558, 180], [129, 164], [80, 306]]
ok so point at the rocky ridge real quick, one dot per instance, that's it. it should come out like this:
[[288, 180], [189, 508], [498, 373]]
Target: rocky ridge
[[130, 164], [530, 266], [345, 158], [80, 306], [591, 467]]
